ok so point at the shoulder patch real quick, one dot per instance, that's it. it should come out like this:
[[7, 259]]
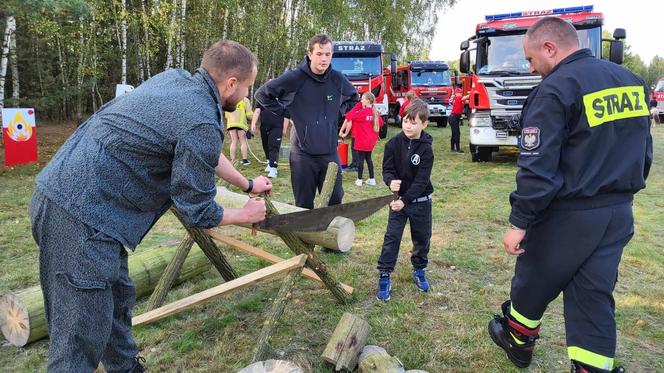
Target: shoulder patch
[[530, 138], [415, 159]]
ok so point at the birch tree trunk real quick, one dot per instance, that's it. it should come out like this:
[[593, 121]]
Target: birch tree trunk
[[183, 33], [13, 63], [123, 30], [146, 39], [9, 34], [169, 49]]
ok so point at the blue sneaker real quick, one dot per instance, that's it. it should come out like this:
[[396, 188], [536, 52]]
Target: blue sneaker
[[384, 289], [420, 280]]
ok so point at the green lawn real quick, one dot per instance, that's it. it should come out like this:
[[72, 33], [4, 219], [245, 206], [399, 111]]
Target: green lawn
[[442, 331]]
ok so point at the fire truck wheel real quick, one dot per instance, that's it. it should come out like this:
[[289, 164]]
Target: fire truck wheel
[[441, 122]]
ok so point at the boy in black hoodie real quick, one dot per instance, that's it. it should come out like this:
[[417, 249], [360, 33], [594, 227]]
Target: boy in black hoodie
[[311, 96], [407, 165]]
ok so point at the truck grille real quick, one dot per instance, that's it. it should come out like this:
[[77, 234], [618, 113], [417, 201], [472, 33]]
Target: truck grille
[[512, 124]]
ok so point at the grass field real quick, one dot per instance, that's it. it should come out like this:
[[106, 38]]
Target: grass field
[[441, 331]]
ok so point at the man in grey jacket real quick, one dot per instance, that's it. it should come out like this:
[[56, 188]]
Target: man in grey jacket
[[141, 153]]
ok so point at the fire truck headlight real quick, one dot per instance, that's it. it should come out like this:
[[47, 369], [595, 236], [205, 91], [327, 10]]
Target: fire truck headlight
[[480, 121]]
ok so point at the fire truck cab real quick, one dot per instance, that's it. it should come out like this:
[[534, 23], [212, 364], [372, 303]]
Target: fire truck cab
[[657, 98], [429, 80], [362, 63], [501, 78]]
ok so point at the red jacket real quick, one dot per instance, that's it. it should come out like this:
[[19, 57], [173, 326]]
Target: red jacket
[[362, 129], [457, 103]]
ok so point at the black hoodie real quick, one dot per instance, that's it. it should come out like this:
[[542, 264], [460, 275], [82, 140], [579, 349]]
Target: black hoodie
[[411, 162], [313, 102]]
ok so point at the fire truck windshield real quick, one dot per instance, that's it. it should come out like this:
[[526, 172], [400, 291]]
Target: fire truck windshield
[[660, 86], [430, 78], [357, 66], [503, 54]]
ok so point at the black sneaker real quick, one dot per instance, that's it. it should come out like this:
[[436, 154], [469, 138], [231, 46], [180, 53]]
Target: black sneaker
[[500, 330]]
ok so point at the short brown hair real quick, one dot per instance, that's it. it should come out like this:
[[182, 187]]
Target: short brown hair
[[229, 58], [320, 39], [417, 109], [554, 29]]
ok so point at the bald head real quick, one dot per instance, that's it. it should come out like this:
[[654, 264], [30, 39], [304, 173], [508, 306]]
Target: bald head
[[555, 30], [547, 42]]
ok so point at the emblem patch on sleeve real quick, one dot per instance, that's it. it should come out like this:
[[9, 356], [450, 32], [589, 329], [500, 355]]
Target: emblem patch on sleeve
[[530, 138]]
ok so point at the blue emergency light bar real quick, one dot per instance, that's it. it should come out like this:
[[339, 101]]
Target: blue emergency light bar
[[573, 9]]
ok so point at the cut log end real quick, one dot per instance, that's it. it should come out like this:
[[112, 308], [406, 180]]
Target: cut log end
[[14, 320]]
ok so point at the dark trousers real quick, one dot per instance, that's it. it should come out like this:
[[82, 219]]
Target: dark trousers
[[454, 121], [419, 215], [308, 175], [576, 253], [88, 294], [271, 140], [356, 156], [362, 156]]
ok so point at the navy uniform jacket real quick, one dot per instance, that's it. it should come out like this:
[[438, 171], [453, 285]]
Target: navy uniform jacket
[[585, 140], [139, 154], [313, 102]]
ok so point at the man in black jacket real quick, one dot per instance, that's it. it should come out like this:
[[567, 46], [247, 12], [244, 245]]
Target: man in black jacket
[[586, 150], [407, 165], [311, 97]]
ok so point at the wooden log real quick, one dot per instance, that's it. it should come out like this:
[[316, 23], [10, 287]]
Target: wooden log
[[376, 359], [299, 247], [210, 249], [251, 250], [22, 317], [347, 341], [272, 366], [273, 316], [171, 272], [339, 235], [253, 278], [323, 198]]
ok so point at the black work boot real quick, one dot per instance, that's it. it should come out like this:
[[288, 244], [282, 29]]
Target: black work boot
[[503, 331], [583, 368]]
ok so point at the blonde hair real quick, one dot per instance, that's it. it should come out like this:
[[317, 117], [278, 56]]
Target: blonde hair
[[369, 96], [410, 95]]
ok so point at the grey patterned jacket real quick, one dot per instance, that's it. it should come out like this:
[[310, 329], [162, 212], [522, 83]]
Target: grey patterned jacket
[[141, 153]]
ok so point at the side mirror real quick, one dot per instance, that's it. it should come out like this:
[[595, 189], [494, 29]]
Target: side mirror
[[464, 45], [619, 34], [464, 62], [616, 50], [393, 63]]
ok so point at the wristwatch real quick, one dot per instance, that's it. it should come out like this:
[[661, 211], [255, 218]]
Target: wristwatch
[[250, 187]]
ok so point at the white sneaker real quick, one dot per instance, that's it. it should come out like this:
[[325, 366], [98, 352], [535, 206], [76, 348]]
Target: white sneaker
[[272, 172], [371, 181], [358, 182], [267, 168]]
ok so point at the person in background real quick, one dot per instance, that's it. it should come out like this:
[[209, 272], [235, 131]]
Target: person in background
[[364, 122], [272, 127], [237, 126]]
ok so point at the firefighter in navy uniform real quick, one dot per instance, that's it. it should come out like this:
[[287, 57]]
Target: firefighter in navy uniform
[[585, 150]]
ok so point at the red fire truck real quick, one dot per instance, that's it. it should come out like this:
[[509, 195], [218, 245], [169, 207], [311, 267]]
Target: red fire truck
[[362, 63], [429, 80], [501, 79], [658, 96]]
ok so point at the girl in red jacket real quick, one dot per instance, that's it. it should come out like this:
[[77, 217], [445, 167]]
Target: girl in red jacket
[[363, 122]]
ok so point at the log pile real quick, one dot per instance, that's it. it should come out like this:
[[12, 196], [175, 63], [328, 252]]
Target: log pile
[[22, 317]]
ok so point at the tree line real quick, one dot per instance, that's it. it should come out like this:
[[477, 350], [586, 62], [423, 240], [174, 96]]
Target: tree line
[[64, 57]]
